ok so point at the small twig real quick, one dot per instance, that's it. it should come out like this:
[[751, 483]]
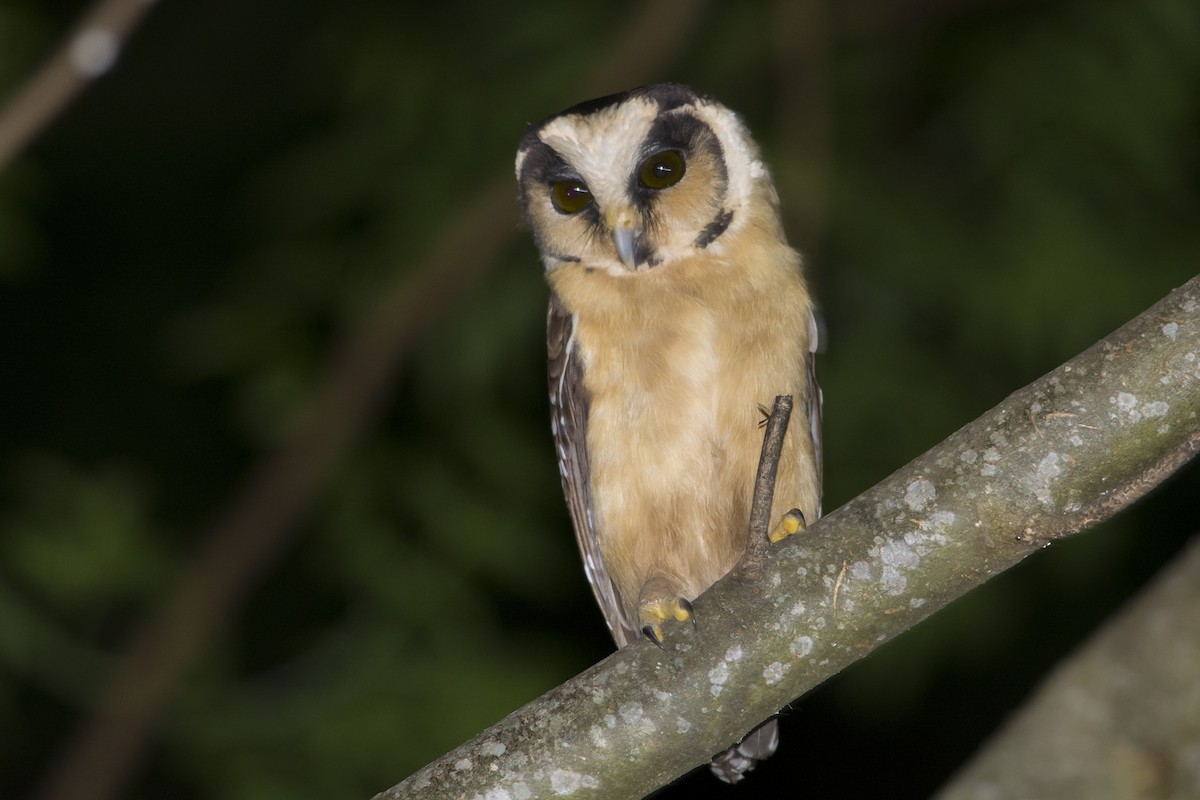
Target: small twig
[[87, 52], [768, 466], [1033, 422], [837, 585]]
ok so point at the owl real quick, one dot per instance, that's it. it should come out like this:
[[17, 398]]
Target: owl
[[677, 313]]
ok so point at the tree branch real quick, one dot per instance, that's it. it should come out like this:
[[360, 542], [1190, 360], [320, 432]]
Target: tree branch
[[87, 52], [1060, 455], [768, 468], [1118, 719]]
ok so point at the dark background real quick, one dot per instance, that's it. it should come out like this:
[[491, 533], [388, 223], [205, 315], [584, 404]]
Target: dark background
[[981, 189]]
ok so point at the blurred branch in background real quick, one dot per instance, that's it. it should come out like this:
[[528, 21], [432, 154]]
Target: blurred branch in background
[[1057, 457], [260, 519], [1118, 719], [87, 52]]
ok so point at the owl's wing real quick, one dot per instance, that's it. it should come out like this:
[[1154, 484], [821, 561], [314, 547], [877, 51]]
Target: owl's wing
[[569, 403], [815, 402]]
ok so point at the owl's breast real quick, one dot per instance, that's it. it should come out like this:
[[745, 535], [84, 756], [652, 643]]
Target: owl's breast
[[675, 371]]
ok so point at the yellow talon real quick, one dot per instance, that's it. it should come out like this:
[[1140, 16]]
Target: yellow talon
[[792, 522], [654, 612]]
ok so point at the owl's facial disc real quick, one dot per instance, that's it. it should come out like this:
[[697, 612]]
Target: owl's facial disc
[[640, 180]]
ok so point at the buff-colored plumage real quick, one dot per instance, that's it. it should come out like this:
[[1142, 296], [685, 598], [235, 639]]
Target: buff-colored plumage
[[677, 313], [675, 390]]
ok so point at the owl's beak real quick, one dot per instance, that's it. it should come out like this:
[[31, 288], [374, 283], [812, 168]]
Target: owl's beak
[[625, 237], [626, 228]]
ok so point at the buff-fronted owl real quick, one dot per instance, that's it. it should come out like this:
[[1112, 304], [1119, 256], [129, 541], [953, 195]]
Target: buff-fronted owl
[[678, 311]]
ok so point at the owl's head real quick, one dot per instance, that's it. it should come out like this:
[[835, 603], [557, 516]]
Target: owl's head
[[635, 180]]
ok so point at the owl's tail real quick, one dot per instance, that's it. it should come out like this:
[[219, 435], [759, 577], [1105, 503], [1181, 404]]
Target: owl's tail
[[732, 765]]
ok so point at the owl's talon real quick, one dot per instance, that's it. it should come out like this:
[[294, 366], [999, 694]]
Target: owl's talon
[[654, 634], [687, 612], [792, 522], [654, 612]]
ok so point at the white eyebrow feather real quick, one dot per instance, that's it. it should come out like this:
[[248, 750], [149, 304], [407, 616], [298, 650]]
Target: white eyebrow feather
[[604, 145]]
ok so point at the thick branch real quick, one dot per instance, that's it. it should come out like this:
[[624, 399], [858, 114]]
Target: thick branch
[[1119, 718], [1064, 453]]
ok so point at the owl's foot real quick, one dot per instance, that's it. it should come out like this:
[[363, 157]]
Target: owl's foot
[[653, 613], [792, 522]]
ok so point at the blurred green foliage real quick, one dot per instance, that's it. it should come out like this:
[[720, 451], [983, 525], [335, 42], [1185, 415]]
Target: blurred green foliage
[[981, 191]]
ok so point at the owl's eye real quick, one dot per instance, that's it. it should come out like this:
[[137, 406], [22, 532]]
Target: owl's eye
[[661, 170], [570, 197]]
